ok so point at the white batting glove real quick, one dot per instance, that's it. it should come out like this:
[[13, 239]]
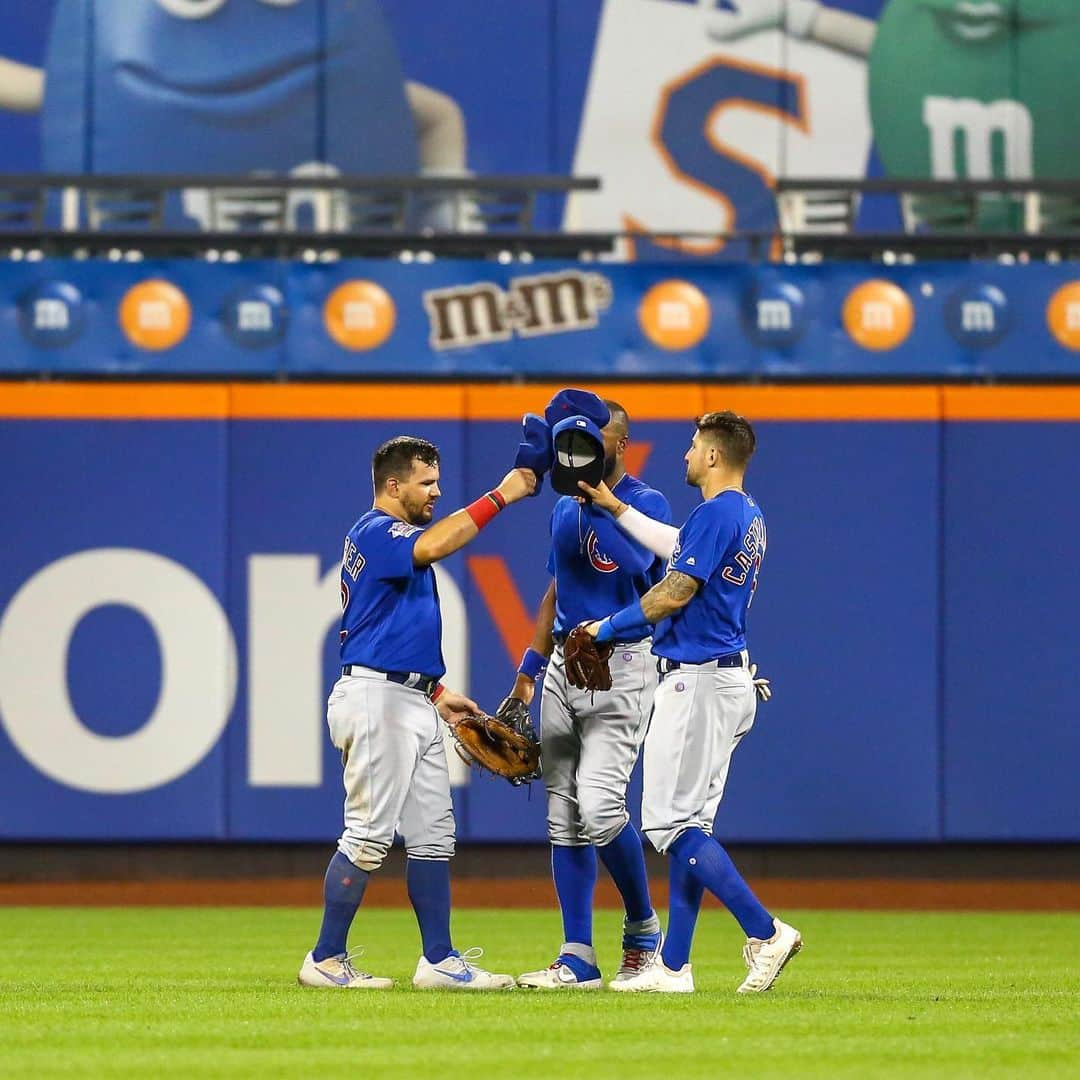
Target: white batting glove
[[762, 686], [739, 18]]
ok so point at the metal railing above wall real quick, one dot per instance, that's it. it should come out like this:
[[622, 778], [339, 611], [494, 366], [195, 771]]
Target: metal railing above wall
[[324, 217], [356, 208], [1039, 217]]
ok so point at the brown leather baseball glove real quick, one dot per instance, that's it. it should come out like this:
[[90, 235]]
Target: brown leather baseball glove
[[504, 744], [587, 660]]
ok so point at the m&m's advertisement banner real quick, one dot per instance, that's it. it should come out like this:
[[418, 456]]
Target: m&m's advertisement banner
[[380, 318]]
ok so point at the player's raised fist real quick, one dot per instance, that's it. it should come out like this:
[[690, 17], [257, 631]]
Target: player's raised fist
[[517, 484]]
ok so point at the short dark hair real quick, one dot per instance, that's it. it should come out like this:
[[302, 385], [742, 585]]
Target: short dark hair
[[731, 433], [619, 415], [396, 456]]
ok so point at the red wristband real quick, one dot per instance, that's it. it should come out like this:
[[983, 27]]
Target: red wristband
[[437, 692], [485, 508]]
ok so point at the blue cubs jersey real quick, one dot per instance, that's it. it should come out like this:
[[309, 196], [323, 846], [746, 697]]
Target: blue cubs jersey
[[722, 545], [597, 568], [390, 608]]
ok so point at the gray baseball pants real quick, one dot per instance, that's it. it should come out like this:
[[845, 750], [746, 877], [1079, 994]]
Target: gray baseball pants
[[589, 744], [396, 780], [700, 714]]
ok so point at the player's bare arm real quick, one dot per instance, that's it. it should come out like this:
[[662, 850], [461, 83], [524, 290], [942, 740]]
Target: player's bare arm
[[452, 706], [542, 643], [668, 596], [659, 603], [454, 532], [603, 497]]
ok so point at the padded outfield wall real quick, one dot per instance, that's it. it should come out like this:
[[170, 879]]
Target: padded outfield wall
[[169, 600]]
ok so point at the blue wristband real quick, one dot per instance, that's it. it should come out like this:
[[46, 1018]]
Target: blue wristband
[[533, 664], [604, 631], [629, 619]]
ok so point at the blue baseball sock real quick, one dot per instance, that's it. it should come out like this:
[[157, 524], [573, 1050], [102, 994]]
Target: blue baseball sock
[[428, 881], [343, 889], [625, 862], [574, 871], [683, 907], [709, 864]]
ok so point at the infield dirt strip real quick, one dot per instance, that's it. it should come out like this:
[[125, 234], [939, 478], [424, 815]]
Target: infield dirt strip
[[913, 894]]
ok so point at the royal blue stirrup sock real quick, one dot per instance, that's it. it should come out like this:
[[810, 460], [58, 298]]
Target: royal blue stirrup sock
[[428, 882], [574, 872], [343, 889], [625, 862], [683, 907], [708, 862]]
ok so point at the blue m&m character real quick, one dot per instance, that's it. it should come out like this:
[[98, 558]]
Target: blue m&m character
[[232, 87]]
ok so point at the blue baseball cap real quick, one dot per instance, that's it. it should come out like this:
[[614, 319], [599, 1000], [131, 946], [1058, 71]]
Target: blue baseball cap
[[535, 451], [572, 403]]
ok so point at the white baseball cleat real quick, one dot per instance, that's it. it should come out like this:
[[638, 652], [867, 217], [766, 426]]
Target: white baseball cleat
[[338, 973], [766, 959], [458, 972], [639, 951], [656, 978], [569, 972]]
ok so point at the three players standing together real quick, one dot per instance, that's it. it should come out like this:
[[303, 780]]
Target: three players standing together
[[685, 691]]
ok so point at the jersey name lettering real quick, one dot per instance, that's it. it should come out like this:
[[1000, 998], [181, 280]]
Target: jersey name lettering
[[352, 562], [749, 559]]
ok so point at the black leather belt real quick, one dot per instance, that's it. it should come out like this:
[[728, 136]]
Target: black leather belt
[[560, 640], [413, 679], [735, 659]]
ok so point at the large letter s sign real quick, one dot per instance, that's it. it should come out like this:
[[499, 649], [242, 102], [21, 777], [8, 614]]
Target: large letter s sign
[[684, 136]]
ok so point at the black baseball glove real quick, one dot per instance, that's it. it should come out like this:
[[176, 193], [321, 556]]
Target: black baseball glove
[[504, 744]]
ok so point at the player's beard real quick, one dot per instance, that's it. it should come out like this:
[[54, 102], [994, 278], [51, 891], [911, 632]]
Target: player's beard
[[609, 466], [421, 512]]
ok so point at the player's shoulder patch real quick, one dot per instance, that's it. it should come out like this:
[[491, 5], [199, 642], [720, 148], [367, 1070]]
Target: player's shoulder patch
[[403, 528]]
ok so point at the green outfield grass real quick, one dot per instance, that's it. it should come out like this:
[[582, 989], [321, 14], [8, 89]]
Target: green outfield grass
[[212, 992]]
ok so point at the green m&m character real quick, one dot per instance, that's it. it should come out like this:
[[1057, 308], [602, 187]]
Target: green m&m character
[[958, 89]]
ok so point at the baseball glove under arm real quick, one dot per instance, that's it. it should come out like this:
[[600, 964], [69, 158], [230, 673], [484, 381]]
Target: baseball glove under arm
[[587, 660], [504, 744]]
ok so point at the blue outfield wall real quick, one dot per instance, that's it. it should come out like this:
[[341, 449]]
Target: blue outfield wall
[[453, 318], [168, 607]]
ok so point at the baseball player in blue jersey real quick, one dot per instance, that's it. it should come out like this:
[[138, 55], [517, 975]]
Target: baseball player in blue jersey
[[385, 715], [590, 742], [705, 701]]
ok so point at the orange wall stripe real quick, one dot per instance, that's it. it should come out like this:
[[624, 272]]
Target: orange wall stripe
[[114, 401], [828, 402], [643, 401], [1012, 402], [418, 401], [347, 401]]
